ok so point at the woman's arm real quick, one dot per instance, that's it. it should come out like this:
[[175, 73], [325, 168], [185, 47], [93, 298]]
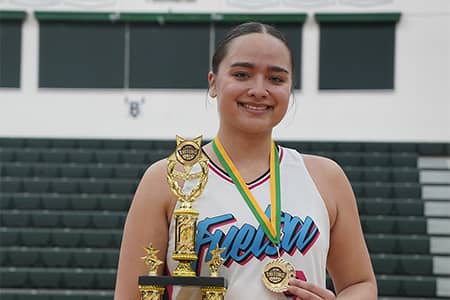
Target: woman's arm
[[147, 222], [348, 260]]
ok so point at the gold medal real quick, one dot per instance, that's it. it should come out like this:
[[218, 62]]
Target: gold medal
[[276, 275]]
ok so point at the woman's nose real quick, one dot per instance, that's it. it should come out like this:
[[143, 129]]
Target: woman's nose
[[258, 88]]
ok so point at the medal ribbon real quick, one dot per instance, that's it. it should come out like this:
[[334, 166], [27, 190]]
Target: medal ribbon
[[271, 227]]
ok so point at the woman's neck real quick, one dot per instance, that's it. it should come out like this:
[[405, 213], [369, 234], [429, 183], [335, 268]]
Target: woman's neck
[[250, 154]]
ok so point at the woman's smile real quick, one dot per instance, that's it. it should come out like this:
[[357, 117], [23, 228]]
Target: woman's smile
[[255, 107]]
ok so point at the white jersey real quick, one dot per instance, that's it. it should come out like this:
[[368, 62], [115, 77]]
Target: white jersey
[[226, 221]]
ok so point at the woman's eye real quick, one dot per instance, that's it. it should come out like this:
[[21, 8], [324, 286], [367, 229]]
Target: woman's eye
[[276, 79], [240, 75]]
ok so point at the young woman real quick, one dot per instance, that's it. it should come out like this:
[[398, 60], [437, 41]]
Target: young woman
[[309, 216]]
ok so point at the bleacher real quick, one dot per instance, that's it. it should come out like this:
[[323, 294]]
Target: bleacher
[[64, 201]]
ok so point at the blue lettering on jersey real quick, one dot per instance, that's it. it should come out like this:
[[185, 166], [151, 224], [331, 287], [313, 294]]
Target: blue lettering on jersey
[[244, 243]]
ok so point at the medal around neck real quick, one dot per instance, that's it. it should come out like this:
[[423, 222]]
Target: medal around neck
[[270, 226], [276, 275]]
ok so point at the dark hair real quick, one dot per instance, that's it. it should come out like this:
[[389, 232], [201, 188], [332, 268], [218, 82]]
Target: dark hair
[[243, 29]]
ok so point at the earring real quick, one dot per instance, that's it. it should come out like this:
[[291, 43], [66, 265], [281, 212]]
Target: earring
[[212, 94]]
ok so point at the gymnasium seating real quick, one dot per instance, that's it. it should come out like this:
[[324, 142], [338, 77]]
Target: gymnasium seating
[[64, 202]]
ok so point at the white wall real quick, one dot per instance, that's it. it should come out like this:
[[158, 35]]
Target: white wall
[[417, 109]]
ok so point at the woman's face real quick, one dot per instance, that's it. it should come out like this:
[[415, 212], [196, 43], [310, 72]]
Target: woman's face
[[252, 84]]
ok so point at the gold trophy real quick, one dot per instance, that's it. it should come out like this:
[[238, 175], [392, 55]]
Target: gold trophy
[[180, 164], [187, 154], [214, 292], [151, 292]]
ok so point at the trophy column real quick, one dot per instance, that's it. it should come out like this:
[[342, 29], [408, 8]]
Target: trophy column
[[185, 229]]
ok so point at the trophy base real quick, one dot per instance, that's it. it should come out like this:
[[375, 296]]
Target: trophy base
[[151, 292], [201, 281], [213, 293], [184, 269], [212, 288]]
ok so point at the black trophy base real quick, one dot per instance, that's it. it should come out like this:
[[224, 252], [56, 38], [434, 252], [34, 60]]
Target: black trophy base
[[199, 281]]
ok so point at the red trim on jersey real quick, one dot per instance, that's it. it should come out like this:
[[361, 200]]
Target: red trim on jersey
[[222, 174]]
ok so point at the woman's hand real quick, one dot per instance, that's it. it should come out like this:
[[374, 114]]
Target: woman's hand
[[307, 291]]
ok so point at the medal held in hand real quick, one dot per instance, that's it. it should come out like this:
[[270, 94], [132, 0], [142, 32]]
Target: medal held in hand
[[276, 275]]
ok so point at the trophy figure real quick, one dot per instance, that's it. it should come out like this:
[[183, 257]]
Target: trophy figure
[[214, 292], [151, 292], [180, 168]]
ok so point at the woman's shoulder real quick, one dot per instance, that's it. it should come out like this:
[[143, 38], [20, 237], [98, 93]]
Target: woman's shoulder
[[156, 170], [314, 163], [153, 187], [322, 165], [153, 176], [331, 182]]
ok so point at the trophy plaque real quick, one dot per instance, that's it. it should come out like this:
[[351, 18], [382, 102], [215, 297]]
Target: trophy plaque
[[180, 163]]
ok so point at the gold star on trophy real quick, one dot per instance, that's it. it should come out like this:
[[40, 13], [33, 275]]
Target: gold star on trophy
[[151, 260], [216, 261]]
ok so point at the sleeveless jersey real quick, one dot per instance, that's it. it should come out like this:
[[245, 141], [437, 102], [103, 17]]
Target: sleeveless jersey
[[226, 221]]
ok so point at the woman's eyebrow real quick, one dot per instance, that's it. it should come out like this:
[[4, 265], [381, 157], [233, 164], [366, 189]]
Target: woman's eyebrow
[[251, 66], [278, 69], [242, 64]]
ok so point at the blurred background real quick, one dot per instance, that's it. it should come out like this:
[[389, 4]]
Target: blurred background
[[94, 91]]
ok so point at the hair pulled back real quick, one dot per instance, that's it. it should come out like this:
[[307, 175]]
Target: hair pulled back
[[243, 29]]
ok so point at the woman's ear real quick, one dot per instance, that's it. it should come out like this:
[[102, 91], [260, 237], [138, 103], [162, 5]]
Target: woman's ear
[[212, 84]]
